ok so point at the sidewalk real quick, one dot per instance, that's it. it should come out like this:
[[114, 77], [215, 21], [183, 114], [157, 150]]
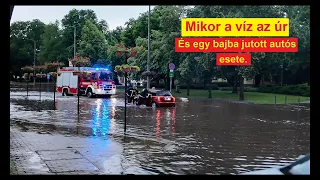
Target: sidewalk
[[37, 153]]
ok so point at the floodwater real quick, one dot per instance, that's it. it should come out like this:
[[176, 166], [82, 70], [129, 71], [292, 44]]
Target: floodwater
[[195, 137]]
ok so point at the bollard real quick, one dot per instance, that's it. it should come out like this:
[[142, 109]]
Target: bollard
[[40, 88], [27, 88], [285, 100], [54, 95], [275, 100]]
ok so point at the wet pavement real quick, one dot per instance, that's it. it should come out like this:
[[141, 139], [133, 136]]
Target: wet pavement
[[195, 137]]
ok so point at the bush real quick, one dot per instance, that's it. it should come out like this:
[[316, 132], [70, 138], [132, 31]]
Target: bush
[[193, 86], [250, 89], [225, 89], [298, 90], [212, 87], [222, 84], [160, 86], [200, 86], [246, 89]]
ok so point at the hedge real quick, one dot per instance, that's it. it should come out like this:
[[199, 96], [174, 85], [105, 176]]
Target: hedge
[[246, 89], [214, 86], [298, 90]]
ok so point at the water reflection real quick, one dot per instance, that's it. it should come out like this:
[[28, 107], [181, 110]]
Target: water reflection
[[103, 118], [203, 137], [158, 123], [169, 115], [173, 129]]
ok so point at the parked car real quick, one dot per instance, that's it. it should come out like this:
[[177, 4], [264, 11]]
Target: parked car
[[299, 167]]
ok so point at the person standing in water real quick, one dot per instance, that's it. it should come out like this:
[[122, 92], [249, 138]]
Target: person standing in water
[[131, 93]]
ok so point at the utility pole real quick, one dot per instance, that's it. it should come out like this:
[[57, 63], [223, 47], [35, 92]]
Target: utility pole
[[74, 41], [148, 60], [34, 61]]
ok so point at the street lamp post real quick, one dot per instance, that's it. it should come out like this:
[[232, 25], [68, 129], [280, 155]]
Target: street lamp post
[[74, 39], [148, 60], [127, 54], [34, 61], [34, 58]]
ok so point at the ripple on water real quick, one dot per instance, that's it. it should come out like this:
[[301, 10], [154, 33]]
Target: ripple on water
[[196, 137]]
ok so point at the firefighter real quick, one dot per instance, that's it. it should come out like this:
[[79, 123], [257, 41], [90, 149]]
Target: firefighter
[[131, 93], [145, 95]]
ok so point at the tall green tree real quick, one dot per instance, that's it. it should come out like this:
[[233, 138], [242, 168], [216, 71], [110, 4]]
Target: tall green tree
[[22, 37], [52, 48], [76, 18]]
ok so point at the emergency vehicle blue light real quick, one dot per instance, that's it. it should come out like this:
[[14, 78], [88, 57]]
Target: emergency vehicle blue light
[[107, 69], [97, 69]]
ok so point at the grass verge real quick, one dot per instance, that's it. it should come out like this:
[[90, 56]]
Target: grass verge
[[255, 97]]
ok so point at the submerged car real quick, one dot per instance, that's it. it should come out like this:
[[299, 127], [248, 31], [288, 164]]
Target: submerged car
[[299, 167], [162, 98], [156, 98]]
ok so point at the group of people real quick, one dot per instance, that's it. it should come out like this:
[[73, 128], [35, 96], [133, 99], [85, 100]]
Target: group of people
[[133, 95]]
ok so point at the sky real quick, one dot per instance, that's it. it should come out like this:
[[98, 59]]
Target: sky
[[114, 15]]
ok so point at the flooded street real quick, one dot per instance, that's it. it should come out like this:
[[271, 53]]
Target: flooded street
[[195, 137]]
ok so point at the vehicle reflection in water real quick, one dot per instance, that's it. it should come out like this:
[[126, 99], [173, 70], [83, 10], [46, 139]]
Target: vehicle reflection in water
[[103, 118], [170, 117], [158, 123], [202, 137], [173, 121]]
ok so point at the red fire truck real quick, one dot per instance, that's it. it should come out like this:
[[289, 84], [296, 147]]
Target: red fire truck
[[91, 81]]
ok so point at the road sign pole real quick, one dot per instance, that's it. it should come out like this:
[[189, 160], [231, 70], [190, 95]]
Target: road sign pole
[[171, 73], [170, 83]]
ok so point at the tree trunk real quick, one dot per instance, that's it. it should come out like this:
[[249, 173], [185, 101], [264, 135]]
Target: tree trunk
[[210, 92], [241, 94], [257, 80], [172, 82], [158, 82], [188, 88], [235, 87]]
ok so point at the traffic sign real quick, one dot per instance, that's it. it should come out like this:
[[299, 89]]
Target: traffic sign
[[48, 76], [172, 66], [171, 74]]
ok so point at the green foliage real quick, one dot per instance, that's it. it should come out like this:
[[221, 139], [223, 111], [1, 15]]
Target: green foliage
[[197, 70], [52, 48], [299, 90], [93, 43]]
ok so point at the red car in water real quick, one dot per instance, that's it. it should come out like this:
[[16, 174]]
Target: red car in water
[[162, 98]]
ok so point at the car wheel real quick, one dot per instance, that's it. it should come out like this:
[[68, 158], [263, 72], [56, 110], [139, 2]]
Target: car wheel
[[89, 93]]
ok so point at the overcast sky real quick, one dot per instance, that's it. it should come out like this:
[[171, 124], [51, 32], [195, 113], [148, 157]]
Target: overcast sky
[[114, 15]]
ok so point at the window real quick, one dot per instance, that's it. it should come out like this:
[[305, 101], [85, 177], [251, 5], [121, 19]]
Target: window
[[93, 76], [104, 76], [86, 78], [163, 93]]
